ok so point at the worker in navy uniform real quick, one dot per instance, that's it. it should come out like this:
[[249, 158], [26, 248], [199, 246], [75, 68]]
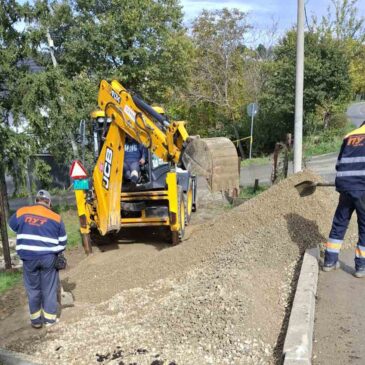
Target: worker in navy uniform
[[350, 183], [134, 158], [41, 236]]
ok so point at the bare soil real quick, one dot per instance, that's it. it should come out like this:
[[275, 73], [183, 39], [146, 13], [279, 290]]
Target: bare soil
[[220, 297]]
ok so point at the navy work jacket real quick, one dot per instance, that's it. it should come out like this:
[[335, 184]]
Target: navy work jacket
[[350, 165], [40, 231]]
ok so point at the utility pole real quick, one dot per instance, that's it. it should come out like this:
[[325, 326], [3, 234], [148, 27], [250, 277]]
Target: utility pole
[[299, 86]]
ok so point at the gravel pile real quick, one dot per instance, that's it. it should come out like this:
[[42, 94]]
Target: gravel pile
[[221, 297]]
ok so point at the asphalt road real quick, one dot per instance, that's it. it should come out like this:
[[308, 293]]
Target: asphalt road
[[323, 165], [356, 113], [339, 329]]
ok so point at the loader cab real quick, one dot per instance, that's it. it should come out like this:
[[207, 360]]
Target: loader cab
[[153, 173], [100, 127]]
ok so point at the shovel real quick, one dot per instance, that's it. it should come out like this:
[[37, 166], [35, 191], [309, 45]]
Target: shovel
[[307, 187]]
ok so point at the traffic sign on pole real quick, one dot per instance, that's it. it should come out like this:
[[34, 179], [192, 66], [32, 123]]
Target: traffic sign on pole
[[252, 110], [78, 171]]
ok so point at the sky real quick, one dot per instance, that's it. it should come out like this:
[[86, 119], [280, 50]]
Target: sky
[[263, 11]]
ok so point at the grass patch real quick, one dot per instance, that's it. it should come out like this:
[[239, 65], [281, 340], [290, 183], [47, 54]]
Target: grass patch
[[256, 161], [11, 234], [249, 192], [8, 280], [71, 220], [325, 142]]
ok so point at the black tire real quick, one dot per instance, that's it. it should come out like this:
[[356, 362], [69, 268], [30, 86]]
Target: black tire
[[189, 203], [194, 186]]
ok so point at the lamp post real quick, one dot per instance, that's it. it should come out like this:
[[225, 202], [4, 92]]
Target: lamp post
[[299, 86]]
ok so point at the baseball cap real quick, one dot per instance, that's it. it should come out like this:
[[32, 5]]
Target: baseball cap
[[43, 194]]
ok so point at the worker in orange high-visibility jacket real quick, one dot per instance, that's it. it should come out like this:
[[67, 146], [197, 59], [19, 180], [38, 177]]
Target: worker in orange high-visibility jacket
[[41, 236], [350, 183]]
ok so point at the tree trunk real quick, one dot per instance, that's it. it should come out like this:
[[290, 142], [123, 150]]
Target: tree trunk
[[74, 146], [3, 220]]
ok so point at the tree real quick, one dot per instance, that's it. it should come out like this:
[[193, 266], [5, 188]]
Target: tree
[[327, 86], [143, 44], [216, 92], [15, 145], [345, 24], [357, 71], [342, 21]]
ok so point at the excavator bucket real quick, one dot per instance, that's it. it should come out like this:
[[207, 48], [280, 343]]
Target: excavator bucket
[[214, 158]]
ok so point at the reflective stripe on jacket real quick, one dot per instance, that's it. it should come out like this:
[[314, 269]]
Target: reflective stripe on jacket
[[39, 231], [351, 162]]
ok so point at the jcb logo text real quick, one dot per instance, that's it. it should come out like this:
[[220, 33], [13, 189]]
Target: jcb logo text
[[107, 167]]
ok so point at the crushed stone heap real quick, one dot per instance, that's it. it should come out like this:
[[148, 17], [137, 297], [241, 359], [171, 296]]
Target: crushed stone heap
[[220, 297]]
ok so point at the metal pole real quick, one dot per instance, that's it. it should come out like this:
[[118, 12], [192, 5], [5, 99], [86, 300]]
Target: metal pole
[[299, 85], [252, 116]]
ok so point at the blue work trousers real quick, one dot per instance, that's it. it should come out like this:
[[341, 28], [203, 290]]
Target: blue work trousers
[[348, 202], [131, 170], [41, 282]]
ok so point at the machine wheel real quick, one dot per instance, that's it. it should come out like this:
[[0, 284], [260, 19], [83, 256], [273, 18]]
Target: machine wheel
[[177, 236], [194, 189], [189, 203]]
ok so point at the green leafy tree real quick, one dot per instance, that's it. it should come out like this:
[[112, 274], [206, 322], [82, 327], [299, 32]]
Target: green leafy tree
[[344, 22], [75, 44], [15, 144], [141, 43], [216, 94], [327, 86]]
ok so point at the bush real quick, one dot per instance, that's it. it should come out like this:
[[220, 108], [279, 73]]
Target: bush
[[338, 121], [43, 174]]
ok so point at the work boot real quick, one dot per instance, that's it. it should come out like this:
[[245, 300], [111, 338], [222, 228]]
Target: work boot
[[331, 267], [50, 324], [360, 273], [36, 325]]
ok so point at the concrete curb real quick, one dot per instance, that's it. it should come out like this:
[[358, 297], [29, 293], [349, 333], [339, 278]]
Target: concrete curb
[[14, 358], [299, 337]]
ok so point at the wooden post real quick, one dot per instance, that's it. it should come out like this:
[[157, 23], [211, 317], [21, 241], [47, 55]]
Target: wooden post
[[3, 229], [256, 186]]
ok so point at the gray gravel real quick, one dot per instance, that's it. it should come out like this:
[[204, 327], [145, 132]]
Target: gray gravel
[[221, 297]]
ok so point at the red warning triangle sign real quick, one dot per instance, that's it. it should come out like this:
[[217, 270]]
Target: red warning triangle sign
[[77, 171]]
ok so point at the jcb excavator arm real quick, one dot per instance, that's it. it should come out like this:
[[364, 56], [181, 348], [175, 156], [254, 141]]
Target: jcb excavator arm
[[135, 117], [217, 159]]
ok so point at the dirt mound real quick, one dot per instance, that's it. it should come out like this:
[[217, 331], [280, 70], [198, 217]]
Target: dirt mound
[[218, 298]]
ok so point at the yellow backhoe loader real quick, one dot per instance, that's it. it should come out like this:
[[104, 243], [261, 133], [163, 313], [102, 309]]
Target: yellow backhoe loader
[[166, 192]]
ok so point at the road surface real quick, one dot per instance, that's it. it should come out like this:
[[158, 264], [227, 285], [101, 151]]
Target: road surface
[[339, 323], [323, 165], [356, 113]]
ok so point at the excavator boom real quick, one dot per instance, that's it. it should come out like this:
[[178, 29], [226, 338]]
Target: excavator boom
[[214, 158], [163, 203]]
